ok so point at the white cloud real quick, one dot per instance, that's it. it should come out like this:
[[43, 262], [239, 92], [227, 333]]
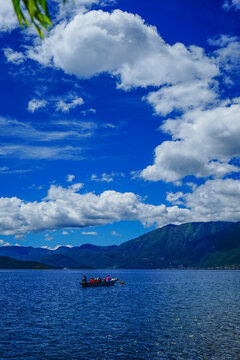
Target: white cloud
[[216, 200], [65, 208], [25, 134], [85, 112], [121, 44], [115, 233], [48, 237], [36, 104], [26, 131], [55, 247], [35, 152], [6, 170], [227, 54], [231, 4], [70, 178], [8, 19], [23, 130], [182, 97], [175, 198], [4, 243], [203, 144], [91, 233], [14, 57], [71, 8], [66, 106], [104, 177], [19, 237], [69, 102]]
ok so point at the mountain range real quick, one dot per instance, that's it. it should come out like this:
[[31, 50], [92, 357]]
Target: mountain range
[[9, 263], [191, 245]]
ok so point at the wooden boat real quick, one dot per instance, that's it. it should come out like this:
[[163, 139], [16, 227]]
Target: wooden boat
[[96, 284]]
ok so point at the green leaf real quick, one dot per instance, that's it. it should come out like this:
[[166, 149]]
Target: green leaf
[[37, 11]]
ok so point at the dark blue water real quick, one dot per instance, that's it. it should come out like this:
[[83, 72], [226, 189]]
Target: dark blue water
[[155, 315]]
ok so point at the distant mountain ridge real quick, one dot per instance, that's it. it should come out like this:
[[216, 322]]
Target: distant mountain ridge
[[9, 263], [191, 245]]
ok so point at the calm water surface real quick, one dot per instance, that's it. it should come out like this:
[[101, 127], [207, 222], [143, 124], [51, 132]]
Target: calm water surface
[[182, 315]]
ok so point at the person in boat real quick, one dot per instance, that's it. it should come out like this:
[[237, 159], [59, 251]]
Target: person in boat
[[95, 279], [91, 280], [84, 279], [104, 280], [108, 278]]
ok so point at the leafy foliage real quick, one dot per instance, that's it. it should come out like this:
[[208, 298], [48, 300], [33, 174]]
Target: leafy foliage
[[33, 12]]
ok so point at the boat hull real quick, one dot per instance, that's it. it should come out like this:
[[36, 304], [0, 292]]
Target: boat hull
[[88, 284]]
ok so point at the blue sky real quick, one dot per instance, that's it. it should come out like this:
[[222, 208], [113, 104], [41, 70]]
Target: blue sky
[[126, 117]]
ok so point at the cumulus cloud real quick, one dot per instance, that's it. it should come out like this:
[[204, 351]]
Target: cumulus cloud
[[66, 208], [182, 97], [227, 54], [72, 8], [14, 57], [36, 104], [216, 200], [8, 19], [203, 144], [175, 198], [66, 106], [121, 44]]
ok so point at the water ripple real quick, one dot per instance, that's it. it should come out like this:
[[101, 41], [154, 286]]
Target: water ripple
[[161, 315]]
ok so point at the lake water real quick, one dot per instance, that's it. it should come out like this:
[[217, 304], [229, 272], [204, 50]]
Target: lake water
[[156, 315]]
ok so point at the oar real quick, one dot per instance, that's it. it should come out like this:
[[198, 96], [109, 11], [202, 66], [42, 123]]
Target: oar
[[121, 282]]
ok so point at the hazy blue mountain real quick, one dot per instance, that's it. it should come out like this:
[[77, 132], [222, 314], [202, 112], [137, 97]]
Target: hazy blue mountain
[[23, 253], [9, 263], [84, 256], [198, 244]]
